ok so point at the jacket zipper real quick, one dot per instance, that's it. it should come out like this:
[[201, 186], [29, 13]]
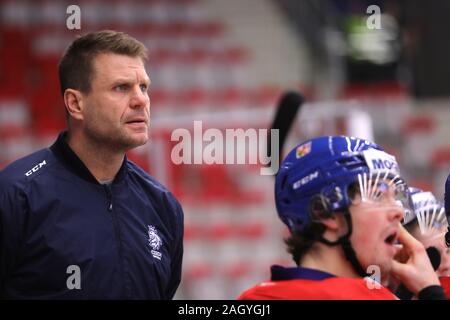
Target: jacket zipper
[[109, 197], [117, 233]]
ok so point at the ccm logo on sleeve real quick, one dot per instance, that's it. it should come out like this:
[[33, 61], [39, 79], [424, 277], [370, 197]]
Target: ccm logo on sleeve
[[35, 168]]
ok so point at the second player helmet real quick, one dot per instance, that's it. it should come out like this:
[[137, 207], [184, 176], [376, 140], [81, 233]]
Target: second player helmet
[[324, 168]]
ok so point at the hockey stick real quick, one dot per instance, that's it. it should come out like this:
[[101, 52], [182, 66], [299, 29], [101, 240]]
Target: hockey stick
[[285, 114]]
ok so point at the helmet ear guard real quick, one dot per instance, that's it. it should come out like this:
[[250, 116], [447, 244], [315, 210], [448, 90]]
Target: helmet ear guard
[[324, 204], [319, 208]]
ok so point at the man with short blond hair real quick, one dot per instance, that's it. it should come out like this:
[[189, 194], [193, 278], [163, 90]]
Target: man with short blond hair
[[79, 220]]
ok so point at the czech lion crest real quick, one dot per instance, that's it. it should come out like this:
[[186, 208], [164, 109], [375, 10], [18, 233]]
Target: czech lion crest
[[153, 238]]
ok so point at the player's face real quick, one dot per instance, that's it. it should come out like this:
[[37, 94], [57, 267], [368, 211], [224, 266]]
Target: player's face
[[375, 231], [117, 109], [436, 238]]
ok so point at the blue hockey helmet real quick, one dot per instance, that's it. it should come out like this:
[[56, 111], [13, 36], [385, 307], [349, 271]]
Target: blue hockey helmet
[[447, 209], [326, 167], [429, 213], [447, 198]]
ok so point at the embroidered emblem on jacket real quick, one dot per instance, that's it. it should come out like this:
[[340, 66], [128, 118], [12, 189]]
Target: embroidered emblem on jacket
[[154, 242]]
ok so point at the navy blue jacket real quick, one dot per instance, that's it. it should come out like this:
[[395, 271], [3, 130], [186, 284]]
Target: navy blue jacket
[[63, 235]]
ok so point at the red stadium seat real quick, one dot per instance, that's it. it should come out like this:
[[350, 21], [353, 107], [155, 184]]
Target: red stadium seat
[[219, 232], [192, 232], [197, 271], [441, 157], [237, 270], [14, 61], [378, 90], [253, 230], [423, 124]]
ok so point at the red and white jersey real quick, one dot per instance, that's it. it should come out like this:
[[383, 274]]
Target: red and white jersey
[[445, 283], [328, 289], [325, 287]]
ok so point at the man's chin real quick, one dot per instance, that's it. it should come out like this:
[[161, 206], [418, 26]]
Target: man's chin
[[385, 270], [135, 140]]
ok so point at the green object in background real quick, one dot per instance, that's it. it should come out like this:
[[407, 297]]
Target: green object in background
[[378, 46]]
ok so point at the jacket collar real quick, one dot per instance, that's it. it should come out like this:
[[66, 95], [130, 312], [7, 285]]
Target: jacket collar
[[71, 161]]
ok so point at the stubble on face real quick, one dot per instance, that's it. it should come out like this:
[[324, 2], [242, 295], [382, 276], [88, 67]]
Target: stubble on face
[[113, 104]]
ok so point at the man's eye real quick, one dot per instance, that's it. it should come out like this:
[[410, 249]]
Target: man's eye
[[122, 87], [382, 187], [143, 87]]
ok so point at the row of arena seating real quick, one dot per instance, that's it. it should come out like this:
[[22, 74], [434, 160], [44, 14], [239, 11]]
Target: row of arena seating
[[106, 12]]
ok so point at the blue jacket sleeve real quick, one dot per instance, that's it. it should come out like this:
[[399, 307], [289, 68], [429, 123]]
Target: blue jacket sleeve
[[13, 207], [177, 252]]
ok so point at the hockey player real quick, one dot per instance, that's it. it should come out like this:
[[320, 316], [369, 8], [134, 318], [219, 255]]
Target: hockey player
[[429, 224], [343, 199]]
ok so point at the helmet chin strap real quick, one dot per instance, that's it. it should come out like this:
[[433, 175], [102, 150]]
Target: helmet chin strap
[[447, 237], [349, 252]]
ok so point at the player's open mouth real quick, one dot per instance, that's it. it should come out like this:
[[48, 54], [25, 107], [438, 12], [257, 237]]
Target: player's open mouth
[[392, 238]]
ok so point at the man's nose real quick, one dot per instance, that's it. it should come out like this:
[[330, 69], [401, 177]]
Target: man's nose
[[139, 98], [396, 212]]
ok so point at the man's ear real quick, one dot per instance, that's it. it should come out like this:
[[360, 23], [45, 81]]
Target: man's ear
[[73, 100], [334, 227], [332, 222], [320, 211]]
